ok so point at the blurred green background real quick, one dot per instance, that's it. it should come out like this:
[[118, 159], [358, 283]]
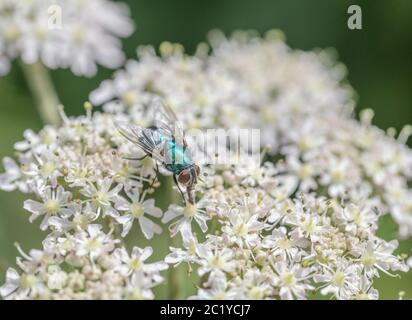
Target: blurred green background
[[378, 57]]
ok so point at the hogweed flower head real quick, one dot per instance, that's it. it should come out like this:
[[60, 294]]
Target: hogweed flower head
[[63, 33], [299, 100], [269, 248], [302, 221], [85, 265]]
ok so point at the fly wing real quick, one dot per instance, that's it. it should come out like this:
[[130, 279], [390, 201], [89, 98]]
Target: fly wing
[[144, 138], [167, 122]]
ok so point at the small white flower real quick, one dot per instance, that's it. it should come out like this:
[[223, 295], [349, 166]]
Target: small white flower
[[45, 169], [136, 209], [93, 242], [310, 213], [185, 216], [283, 246], [243, 227], [256, 285], [217, 289], [81, 217], [11, 179], [215, 259], [291, 280], [66, 38], [55, 202], [378, 256], [189, 251], [139, 288], [359, 219], [366, 292], [12, 283], [342, 282], [102, 197], [57, 278], [135, 263]]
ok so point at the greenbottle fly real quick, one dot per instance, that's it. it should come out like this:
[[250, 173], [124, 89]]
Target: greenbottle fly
[[165, 142]]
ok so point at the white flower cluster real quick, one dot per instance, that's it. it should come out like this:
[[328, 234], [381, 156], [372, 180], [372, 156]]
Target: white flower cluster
[[260, 243], [262, 246], [87, 196], [88, 264], [303, 222], [300, 102], [63, 33], [273, 86]]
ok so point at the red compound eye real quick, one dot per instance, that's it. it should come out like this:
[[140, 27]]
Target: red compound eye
[[184, 177]]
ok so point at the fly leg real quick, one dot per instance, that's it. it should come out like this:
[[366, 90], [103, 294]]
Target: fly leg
[[136, 159], [155, 177], [190, 195], [181, 192]]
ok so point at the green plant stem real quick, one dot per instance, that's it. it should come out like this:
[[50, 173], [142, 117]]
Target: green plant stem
[[42, 88], [174, 276]]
